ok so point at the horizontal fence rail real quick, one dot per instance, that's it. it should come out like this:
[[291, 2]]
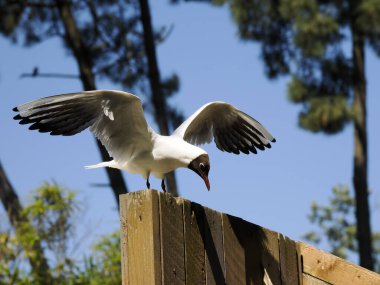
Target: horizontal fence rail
[[170, 240]]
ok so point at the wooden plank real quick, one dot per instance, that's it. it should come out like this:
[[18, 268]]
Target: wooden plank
[[235, 246], [140, 238], [334, 270], [299, 263], [271, 255], [172, 239], [193, 215], [123, 238], [214, 252], [255, 270], [310, 280], [244, 252], [288, 261]]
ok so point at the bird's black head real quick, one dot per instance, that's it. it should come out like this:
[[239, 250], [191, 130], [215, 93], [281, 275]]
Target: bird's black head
[[201, 166]]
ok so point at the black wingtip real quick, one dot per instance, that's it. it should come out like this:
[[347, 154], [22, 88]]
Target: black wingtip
[[33, 127], [15, 109], [17, 117], [273, 140]]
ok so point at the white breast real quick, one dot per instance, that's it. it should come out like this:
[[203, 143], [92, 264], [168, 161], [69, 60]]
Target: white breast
[[168, 154]]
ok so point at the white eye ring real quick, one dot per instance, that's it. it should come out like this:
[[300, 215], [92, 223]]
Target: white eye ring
[[201, 165]]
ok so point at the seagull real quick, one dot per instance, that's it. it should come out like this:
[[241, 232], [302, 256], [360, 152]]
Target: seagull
[[117, 120]]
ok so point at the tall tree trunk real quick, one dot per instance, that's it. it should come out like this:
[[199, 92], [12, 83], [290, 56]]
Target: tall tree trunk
[[364, 235], [158, 99], [73, 38], [20, 223]]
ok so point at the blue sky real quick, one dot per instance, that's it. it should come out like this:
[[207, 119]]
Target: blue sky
[[273, 189]]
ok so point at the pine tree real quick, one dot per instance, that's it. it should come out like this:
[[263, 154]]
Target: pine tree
[[321, 45], [23, 229]]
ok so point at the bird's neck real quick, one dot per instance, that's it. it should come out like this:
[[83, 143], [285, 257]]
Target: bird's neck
[[176, 148]]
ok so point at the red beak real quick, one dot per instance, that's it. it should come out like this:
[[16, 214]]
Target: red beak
[[205, 179]]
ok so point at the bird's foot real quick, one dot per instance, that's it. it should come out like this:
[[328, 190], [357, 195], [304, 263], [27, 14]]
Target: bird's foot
[[163, 185], [147, 184]]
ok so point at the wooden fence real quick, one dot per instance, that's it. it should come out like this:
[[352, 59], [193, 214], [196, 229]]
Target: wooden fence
[[167, 240]]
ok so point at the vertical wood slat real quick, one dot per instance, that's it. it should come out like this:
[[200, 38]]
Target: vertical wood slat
[[140, 238], [214, 251], [251, 253], [242, 252], [123, 239], [194, 247], [167, 240], [299, 263], [255, 273], [270, 255], [288, 261], [172, 239], [235, 251]]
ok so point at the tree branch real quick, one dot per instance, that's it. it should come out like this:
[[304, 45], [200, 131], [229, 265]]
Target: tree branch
[[20, 223], [35, 73], [157, 97], [82, 56]]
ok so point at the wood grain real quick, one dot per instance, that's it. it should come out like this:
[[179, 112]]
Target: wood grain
[[243, 251], [140, 238], [288, 261], [310, 280], [335, 270], [214, 252], [168, 240], [235, 251], [193, 215], [123, 238], [271, 255], [172, 239]]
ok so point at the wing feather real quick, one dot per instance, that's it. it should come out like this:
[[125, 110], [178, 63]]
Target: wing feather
[[115, 117], [233, 130]]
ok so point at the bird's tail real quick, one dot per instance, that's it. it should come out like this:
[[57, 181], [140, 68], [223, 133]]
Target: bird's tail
[[111, 163]]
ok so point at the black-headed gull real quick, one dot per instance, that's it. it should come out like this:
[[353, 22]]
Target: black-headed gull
[[117, 120]]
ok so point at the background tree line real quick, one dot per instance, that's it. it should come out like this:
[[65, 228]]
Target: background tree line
[[114, 40], [321, 46], [304, 40]]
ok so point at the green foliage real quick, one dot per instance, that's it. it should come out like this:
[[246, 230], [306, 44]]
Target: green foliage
[[369, 22], [9, 19], [110, 32], [327, 113], [313, 29], [104, 267], [10, 259], [262, 21], [337, 227], [52, 213]]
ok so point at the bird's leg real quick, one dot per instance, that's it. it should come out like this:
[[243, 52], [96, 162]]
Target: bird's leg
[[147, 183], [163, 185]]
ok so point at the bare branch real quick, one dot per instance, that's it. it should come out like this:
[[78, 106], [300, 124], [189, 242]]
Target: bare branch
[[50, 75], [35, 73]]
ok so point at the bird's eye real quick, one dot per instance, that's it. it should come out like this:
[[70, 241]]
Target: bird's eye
[[202, 166]]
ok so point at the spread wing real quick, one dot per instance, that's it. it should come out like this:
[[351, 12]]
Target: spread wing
[[232, 130], [115, 117]]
